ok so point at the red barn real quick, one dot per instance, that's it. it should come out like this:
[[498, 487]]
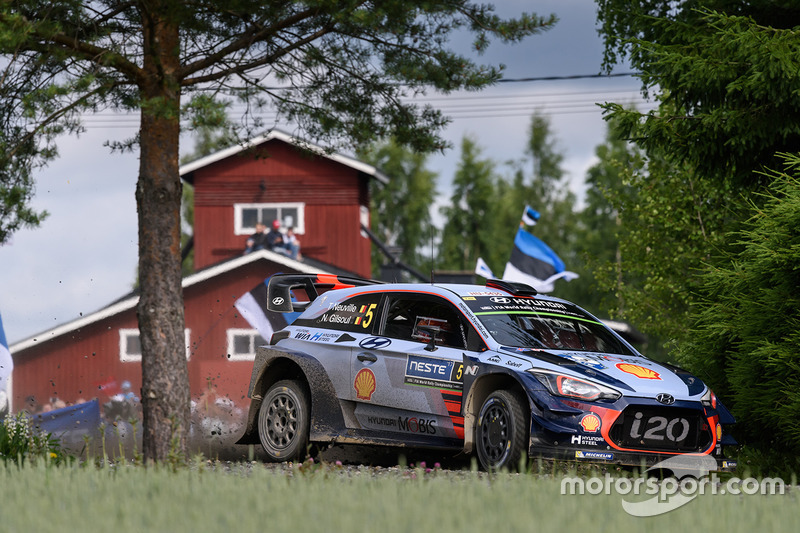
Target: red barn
[[324, 196]]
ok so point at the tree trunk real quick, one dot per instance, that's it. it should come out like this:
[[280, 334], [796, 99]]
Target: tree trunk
[[165, 378]]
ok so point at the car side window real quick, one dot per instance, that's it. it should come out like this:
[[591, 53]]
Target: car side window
[[416, 318]]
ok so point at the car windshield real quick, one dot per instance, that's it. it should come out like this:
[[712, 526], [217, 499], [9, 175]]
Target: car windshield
[[544, 324]]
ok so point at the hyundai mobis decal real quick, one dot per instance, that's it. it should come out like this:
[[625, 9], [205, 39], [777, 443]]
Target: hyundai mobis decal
[[379, 418]]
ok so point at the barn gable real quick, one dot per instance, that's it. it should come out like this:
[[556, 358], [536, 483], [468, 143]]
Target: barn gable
[[324, 196], [92, 356]]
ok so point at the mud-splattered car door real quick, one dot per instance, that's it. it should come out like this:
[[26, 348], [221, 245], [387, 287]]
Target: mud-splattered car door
[[407, 379]]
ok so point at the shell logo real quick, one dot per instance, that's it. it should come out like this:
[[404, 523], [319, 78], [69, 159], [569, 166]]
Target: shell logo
[[590, 423], [364, 384], [638, 371]]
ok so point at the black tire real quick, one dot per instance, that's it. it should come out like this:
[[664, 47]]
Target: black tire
[[283, 421], [502, 431]]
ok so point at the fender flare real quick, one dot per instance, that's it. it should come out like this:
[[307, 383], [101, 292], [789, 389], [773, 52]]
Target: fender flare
[[272, 365]]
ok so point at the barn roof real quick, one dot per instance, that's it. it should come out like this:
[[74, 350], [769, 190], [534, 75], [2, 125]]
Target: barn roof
[[187, 169], [129, 301]]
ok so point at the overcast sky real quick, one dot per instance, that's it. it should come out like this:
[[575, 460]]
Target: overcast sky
[[84, 255]]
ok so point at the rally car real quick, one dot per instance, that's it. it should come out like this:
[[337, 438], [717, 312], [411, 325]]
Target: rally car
[[496, 370]]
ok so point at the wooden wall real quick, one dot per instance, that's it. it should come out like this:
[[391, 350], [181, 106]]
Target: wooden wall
[[278, 173]]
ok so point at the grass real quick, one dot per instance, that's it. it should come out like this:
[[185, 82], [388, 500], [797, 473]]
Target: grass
[[328, 498]]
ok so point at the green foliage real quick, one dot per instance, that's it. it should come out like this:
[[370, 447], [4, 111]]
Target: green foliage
[[724, 74], [725, 80], [538, 180], [486, 206], [333, 498], [20, 153], [340, 71], [20, 443], [15, 212], [599, 247], [748, 322], [670, 221], [471, 227], [400, 210]]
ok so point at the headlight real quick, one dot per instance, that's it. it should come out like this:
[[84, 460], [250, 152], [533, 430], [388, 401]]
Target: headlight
[[572, 387], [709, 399]]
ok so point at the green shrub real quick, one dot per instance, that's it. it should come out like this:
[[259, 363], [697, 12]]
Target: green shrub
[[19, 442], [747, 331]]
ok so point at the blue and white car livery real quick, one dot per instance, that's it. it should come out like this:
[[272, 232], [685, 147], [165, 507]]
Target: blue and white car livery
[[495, 370]]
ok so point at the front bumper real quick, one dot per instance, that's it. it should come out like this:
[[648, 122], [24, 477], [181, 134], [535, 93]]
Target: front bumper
[[637, 432], [609, 456]]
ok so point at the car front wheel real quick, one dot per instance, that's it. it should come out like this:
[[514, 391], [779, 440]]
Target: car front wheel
[[283, 421], [501, 431]]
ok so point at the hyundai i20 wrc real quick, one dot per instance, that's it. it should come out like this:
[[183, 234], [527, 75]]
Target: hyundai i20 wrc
[[496, 370]]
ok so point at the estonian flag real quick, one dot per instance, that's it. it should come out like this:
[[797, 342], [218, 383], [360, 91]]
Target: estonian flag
[[253, 307], [530, 216], [482, 269], [534, 263], [6, 366]]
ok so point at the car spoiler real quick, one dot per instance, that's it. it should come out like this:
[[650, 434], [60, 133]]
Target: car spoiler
[[280, 286]]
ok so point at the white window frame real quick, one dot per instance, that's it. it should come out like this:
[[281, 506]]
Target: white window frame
[[232, 334], [299, 224], [125, 357]]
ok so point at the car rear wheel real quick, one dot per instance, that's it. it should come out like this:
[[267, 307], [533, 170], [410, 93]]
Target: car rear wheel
[[501, 431], [283, 421]]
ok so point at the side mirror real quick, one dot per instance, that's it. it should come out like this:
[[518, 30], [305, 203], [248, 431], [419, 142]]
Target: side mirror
[[431, 331]]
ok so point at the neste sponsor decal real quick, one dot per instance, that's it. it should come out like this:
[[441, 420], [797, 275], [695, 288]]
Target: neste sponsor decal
[[432, 372], [429, 368]]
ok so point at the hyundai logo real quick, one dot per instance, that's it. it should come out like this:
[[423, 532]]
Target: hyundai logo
[[666, 399], [277, 300], [375, 343], [500, 299]]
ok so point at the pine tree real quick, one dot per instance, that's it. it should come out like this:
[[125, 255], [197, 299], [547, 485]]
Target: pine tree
[[337, 71]]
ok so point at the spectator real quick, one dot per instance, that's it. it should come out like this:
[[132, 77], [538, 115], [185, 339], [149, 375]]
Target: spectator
[[126, 393], [274, 239], [258, 240], [292, 244]]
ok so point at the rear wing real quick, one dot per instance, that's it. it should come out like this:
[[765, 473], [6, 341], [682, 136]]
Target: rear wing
[[279, 289]]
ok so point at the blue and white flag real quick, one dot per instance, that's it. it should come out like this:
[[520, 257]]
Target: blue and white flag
[[253, 307], [530, 216], [6, 366], [534, 263], [482, 269]]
